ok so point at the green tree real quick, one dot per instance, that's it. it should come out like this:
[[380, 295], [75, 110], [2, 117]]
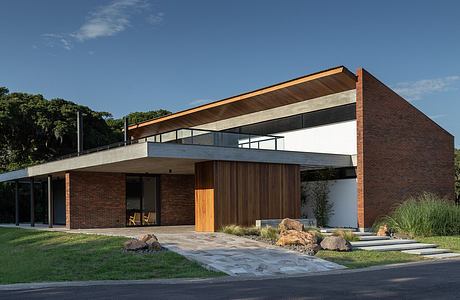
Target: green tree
[[34, 129], [136, 117], [457, 176]]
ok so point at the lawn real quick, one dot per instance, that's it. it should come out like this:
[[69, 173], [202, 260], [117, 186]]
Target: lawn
[[33, 256], [366, 258], [445, 242]]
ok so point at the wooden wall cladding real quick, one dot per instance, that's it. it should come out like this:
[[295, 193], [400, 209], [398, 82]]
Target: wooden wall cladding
[[241, 192]]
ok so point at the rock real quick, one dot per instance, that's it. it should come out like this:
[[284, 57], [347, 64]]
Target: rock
[[335, 243], [383, 231], [153, 245], [298, 238], [148, 236], [134, 245], [290, 224], [400, 236]]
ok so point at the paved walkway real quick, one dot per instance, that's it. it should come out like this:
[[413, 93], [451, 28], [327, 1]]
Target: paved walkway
[[222, 252]]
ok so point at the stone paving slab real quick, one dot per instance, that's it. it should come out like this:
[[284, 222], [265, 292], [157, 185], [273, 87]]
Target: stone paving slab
[[221, 252], [443, 255], [398, 247], [427, 251], [382, 242]]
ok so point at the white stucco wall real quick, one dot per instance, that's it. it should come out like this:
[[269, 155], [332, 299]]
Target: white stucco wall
[[337, 138], [343, 195]]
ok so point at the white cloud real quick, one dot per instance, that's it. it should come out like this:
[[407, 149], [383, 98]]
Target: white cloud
[[52, 40], [434, 117], [415, 90], [155, 18], [108, 20], [199, 102], [104, 21]]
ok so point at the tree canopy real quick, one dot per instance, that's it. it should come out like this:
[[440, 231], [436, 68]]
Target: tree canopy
[[34, 129], [457, 175], [135, 117]]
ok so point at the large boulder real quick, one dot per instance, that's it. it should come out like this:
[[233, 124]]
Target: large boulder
[[290, 224], [335, 243], [148, 236], [134, 245], [298, 238], [383, 231], [153, 245]]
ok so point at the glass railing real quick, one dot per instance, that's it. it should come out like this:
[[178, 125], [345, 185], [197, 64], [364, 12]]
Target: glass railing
[[216, 138], [188, 136]]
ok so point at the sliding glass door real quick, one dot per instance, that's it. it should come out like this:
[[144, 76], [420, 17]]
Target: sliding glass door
[[142, 200]]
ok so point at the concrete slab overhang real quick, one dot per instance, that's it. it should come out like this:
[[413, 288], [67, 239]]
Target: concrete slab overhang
[[164, 158]]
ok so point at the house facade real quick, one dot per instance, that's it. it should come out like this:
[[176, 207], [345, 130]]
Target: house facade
[[248, 157]]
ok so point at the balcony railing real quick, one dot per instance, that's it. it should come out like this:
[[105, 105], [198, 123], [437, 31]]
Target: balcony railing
[[188, 136]]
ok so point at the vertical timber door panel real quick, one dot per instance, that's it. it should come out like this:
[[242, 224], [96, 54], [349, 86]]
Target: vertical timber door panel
[[204, 197], [229, 192]]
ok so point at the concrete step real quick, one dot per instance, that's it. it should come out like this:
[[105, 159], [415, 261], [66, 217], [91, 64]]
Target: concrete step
[[359, 233], [427, 251], [373, 238], [382, 242], [398, 247], [443, 255], [330, 230]]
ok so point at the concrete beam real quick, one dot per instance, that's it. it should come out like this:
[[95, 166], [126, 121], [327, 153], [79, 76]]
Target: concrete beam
[[306, 106], [249, 155], [161, 157]]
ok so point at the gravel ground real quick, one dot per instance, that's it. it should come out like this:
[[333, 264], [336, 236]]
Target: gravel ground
[[301, 249]]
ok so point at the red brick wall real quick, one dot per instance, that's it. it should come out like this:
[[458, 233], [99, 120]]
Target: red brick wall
[[177, 199], [401, 152], [95, 200]]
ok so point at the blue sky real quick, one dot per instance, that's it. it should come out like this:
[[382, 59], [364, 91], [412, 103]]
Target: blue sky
[[123, 56]]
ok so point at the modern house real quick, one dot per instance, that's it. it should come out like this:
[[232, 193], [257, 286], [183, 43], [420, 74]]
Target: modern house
[[243, 158]]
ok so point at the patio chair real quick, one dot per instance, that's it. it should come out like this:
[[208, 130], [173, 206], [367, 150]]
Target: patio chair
[[151, 218], [136, 219]]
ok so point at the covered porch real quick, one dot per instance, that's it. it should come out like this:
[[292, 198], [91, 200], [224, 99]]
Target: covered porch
[[205, 186]]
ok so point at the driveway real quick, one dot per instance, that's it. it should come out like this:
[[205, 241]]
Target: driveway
[[222, 252], [432, 280]]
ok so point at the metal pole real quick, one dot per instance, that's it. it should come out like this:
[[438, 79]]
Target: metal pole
[[50, 202], [32, 203], [16, 200], [126, 133], [79, 132]]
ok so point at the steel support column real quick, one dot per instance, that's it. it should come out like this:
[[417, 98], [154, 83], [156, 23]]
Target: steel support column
[[16, 201], [126, 131], [32, 202], [50, 202]]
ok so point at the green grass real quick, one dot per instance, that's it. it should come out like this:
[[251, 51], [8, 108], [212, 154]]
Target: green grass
[[366, 258], [33, 256], [444, 242], [346, 234], [424, 215]]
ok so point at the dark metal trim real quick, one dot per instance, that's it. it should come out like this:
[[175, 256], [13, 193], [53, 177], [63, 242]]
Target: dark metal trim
[[50, 202], [16, 201], [32, 202]]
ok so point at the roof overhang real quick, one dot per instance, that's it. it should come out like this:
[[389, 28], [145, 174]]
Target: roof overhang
[[311, 86], [165, 158]]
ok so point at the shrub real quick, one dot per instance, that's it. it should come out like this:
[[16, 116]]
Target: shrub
[[424, 215], [269, 232], [346, 234], [317, 233], [240, 230]]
